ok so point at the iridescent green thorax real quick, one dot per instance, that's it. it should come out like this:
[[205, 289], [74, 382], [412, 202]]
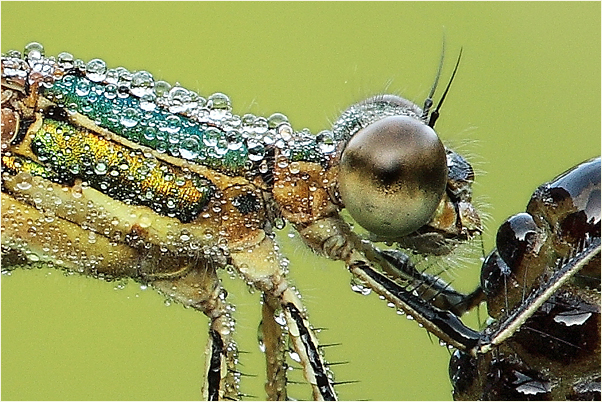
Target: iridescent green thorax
[[181, 125], [145, 123]]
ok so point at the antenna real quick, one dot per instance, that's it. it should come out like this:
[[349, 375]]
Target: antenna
[[428, 102], [435, 115]]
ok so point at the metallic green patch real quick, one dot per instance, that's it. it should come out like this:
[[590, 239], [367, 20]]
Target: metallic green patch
[[120, 172], [17, 164], [147, 124], [214, 143]]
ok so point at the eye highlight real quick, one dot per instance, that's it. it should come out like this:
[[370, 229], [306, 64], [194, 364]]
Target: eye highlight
[[393, 175]]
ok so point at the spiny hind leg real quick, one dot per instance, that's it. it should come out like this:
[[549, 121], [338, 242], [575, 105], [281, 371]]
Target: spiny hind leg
[[305, 343], [261, 266], [200, 289]]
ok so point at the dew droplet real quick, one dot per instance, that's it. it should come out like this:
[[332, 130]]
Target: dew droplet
[[161, 88], [144, 221], [110, 91], [325, 141], [101, 168], [234, 140], [263, 167], [150, 133], [65, 59], [280, 320], [247, 122], [178, 99], [276, 119], [189, 147], [360, 289], [282, 162], [96, 70], [211, 136], [256, 150], [279, 223], [219, 101], [24, 185], [221, 148], [171, 124], [285, 131], [147, 102], [294, 356], [34, 51], [33, 257], [83, 87], [124, 81], [130, 117], [112, 76], [142, 84], [269, 138], [260, 125]]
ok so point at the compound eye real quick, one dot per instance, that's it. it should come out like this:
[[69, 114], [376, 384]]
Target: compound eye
[[393, 175]]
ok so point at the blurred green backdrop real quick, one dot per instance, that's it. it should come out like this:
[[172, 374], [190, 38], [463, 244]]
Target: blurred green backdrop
[[525, 105]]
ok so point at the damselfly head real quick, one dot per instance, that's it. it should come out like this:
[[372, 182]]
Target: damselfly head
[[394, 170], [393, 175]]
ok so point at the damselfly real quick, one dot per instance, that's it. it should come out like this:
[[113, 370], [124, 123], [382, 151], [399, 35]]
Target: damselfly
[[110, 173]]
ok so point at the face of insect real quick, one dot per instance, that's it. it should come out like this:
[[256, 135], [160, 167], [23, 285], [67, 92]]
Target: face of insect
[[393, 175], [398, 181]]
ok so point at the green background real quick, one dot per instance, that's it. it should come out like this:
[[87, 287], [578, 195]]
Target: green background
[[525, 106]]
